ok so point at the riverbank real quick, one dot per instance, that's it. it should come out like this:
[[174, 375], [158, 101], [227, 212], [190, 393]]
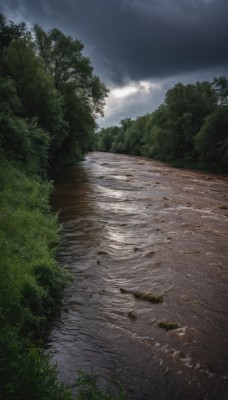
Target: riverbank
[[31, 289], [31, 286]]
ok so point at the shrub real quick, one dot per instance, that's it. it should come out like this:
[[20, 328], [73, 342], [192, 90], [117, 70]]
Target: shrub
[[31, 285]]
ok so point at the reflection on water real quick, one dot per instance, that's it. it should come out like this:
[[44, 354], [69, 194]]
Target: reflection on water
[[137, 224]]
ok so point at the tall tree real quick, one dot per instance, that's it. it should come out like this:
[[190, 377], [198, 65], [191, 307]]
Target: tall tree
[[62, 57], [11, 32], [83, 92], [35, 88], [187, 106], [220, 86], [212, 140]]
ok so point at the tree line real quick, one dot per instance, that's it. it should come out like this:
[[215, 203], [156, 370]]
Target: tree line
[[49, 99], [190, 129]]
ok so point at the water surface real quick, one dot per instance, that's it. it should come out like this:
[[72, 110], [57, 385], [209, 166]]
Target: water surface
[[133, 223]]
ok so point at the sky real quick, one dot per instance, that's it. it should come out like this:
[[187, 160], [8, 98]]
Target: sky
[[138, 48]]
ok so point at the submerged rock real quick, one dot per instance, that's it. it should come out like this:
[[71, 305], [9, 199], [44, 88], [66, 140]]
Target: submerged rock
[[168, 326]]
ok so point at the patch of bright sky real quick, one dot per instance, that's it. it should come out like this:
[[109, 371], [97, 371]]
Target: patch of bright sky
[[134, 87], [131, 100]]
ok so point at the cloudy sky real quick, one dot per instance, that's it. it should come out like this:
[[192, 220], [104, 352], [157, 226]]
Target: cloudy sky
[[139, 48]]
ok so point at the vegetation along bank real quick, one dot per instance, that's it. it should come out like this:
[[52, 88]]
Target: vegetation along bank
[[49, 99], [190, 129]]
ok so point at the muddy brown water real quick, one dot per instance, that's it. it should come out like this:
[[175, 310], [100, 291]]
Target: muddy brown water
[[137, 224]]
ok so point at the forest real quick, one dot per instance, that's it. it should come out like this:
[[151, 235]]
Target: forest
[[190, 129], [49, 100]]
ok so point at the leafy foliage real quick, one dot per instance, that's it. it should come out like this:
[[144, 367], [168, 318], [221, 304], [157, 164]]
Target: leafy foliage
[[31, 284], [212, 140], [49, 99], [26, 372], [10, 32], [29, 240], [82, 92], [188, 129]]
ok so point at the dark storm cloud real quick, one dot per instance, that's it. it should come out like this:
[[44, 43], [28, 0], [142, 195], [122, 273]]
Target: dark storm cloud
[[138, 39]]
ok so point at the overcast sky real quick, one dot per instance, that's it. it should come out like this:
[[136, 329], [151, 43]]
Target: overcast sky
[[139, 48]]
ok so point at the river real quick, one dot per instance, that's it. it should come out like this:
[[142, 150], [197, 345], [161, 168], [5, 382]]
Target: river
[[136, 224]]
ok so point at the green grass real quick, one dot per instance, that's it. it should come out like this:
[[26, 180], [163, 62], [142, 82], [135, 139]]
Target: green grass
[[31, 287]]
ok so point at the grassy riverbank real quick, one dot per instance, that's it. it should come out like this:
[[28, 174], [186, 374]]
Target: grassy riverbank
[[31, 287], [44, 125]]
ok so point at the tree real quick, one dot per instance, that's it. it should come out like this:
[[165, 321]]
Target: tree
[[35, 88], [187, 106], [22, 141], [212, 140], [11, 32], [62, 57], [157, 137], [82, 91], [220, 86], [118, 135], [105, 137], [81, 128], [134, 135]]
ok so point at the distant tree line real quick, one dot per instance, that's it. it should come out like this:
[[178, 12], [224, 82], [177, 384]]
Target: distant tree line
[[190, 129]]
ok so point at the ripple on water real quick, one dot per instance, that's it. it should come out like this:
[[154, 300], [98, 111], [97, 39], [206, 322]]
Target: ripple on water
[[118, 233]]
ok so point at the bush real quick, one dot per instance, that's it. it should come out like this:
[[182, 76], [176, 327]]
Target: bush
[[26, 372], [31, 285]]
